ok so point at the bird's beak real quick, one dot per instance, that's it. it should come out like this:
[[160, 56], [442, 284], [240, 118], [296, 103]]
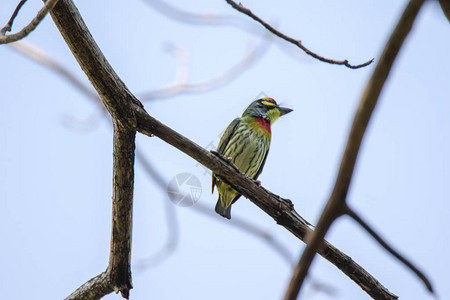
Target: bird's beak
[[284, 110]]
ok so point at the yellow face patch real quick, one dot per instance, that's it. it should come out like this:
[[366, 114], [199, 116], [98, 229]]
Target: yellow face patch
[[273, 115], [268, 103]]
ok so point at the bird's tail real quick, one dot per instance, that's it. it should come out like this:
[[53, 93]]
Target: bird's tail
[[224, 212]]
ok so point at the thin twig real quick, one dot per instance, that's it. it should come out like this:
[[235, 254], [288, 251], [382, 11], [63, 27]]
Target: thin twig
[[336, 205], [388, 248], [5, 39], [9, 25], [298, 43]]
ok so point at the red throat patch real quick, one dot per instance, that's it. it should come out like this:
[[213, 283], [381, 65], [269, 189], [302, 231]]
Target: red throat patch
[[265, 124]]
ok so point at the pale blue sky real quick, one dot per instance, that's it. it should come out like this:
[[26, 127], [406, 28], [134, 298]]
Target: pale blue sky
[[55, 169]]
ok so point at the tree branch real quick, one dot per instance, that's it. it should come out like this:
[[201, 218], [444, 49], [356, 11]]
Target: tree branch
[[336, 204], [281, 210], [122, 212], [127, 111], [5, 39], [95, 288], [239, 7]]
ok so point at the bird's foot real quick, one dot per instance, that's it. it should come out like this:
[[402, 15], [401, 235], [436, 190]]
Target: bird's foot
[[228, 160], [258, 183]]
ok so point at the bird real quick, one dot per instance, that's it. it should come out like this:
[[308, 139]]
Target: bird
[[246, 143]]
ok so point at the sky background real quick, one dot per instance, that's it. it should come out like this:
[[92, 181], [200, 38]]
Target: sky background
[[56, 151]]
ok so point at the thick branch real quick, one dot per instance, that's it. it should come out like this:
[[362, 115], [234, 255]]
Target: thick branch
[[336, 204], [114, 93], [95, 288], [5, 39], [239, 7], [127, 110], [122, 209]]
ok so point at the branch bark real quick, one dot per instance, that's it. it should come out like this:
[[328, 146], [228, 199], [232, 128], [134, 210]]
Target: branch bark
[[336, 204], [129, 115]]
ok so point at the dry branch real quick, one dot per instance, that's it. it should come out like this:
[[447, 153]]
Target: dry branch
[[336, 205], [129, 115]]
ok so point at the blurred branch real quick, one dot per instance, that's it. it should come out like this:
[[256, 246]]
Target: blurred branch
[[40, 56], [171, 218], [336, 205], [388, 248], [181, 86], [445, 5], [241, 224], [5, 39], [192, 18], [239, 7], [215, 19], [128, 115]]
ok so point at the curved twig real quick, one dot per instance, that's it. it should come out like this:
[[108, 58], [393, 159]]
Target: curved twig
[[5, 39], [239, 7]]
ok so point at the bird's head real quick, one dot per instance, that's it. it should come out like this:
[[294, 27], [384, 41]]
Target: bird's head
[[266, 108]]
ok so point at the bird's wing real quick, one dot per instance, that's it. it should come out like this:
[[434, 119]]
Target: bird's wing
[[262, 165], [224, 142]]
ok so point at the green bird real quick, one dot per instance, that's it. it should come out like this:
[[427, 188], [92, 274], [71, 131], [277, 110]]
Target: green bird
[[246, 142]]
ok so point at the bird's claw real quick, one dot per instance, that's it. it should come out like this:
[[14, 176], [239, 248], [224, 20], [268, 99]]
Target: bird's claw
[[228, 160]]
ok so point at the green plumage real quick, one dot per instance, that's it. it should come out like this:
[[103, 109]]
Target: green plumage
[[246, 141]]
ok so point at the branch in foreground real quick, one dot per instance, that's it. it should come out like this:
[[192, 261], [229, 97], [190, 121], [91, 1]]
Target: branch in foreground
[[128, 112], [298, 43], [336, 204], [388, 248], [5, 39]]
